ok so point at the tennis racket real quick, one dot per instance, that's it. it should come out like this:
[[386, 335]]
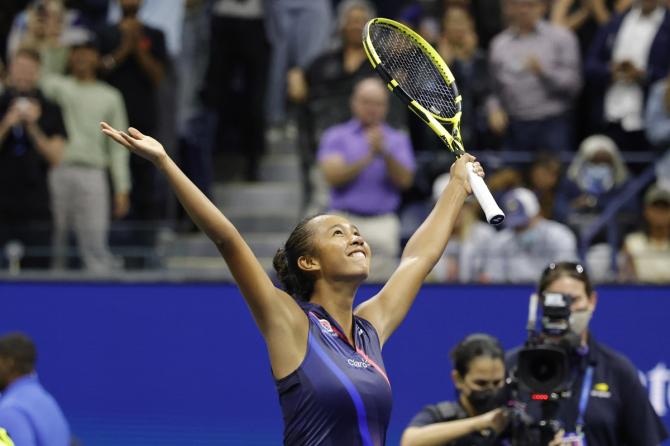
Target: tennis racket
[[416, 73]]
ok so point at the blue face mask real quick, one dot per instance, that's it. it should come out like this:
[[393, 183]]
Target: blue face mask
[[527, 238], [596, 179]]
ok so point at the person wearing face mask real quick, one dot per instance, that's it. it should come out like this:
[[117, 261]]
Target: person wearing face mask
[[477, 417], [529, 241], [608, 405], [594, 178]]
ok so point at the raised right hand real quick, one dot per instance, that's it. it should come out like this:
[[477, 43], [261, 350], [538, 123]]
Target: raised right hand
[[142, 145], [459, 172]]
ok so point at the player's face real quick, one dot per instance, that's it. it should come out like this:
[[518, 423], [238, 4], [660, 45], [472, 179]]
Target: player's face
[[484, 373], [342, 253], [24, 73], [574, 288]]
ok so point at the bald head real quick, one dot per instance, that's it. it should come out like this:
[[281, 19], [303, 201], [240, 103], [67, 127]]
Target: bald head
[[369, 102]]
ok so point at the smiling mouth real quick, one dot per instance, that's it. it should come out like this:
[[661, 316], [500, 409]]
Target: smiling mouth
[[357, 254]]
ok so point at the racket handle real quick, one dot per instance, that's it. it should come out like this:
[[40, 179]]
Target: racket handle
[[494, 215]]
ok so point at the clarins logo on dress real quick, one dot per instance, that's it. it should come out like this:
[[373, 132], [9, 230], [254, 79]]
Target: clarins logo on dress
[[358, 364]]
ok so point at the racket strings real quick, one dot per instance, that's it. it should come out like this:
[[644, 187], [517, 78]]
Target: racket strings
[[414, 70]]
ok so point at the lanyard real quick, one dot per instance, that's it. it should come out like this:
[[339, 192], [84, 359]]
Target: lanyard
[[584, 398]]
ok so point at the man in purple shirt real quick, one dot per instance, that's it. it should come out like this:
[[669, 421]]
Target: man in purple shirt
[[367, 165]]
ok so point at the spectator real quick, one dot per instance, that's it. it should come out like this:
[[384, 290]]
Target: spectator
[[165, 15], [237, 74], [595, 178], [135, 62], [488, 17], [657, 119], [535, 68], [458, 47], [28, 413], [324, 89], [586, 17], [629, 54], [32, 137], [367, 164], [79, 186], [50, 28], [647, 253], [519, 252], [325, 86], [463, 259], [544, 177], [299, 31]]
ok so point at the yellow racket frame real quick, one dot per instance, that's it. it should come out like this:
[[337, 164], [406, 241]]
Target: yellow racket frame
[[451, 139]]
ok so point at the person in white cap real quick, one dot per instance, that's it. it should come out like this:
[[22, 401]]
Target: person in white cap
[[519, 252]]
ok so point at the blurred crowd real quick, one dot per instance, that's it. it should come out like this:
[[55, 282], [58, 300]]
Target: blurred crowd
[[565, 102]]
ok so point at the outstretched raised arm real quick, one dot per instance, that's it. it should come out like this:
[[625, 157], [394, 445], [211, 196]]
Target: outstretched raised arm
[[276, 313], [389, 307]]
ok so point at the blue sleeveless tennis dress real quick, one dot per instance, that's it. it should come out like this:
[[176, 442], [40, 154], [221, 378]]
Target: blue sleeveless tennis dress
[[340, 394]]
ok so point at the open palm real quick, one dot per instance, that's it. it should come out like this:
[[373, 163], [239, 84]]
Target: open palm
[[143, 145]]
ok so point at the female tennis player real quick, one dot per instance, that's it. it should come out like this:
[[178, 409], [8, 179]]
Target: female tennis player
[[325, 355]]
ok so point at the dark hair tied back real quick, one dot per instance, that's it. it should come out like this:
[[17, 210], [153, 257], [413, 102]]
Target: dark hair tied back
[[475, 346], [295, 281]]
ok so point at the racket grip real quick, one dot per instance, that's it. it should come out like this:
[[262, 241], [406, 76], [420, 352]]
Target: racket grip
[[494, 215]]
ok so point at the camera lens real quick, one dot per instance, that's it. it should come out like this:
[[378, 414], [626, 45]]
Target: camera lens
[[543, 368]]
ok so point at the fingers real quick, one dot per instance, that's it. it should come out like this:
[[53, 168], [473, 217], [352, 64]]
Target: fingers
[[116, 136], [129, 139], [135, 133], [468, 158], [478, 169]]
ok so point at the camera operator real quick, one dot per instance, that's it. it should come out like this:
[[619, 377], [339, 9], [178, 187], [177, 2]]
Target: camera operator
[[477, 418], [32, 138], [602, 401]]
